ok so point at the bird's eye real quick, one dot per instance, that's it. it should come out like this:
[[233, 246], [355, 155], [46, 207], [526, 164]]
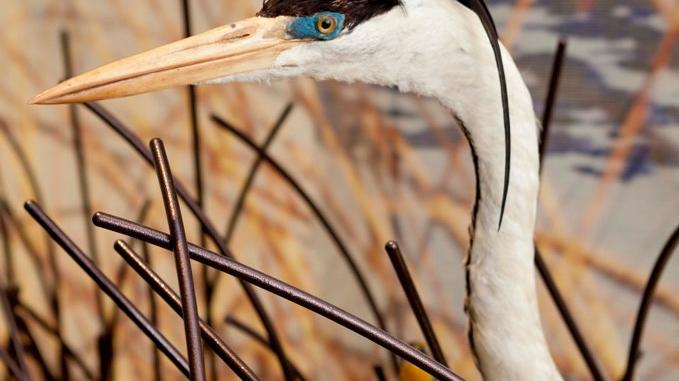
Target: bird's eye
[[326, 24], [321, 26]]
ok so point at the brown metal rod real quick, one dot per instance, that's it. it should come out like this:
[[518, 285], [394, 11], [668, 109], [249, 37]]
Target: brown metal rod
[[31, 250], [105, 357], [123, 268], [50, 292], [543, 270], [406, 280], [199, 180], [193, 113], [8, 311], [106, 340], [133, 140], [159, 286], [31, 343], [8, 253], [155, 318], [550, 101], [283, 290], [250, 332], [252, 173], [107, 286], [10, 363], [238, 209], [23, 309], [645, 305], [379, 373], [568, 318], [187, 290], [325, 222], [81, 162]]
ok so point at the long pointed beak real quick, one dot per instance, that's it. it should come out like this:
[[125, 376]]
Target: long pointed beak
[[240, 48]]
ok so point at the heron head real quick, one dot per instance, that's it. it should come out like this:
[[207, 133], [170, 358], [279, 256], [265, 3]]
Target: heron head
[[383, 42], [314, 38], [373, 41]]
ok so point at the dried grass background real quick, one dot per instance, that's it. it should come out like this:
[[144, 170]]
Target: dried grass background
[[382, 166]]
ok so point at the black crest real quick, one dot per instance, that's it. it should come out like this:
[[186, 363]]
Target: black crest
[[355, 11], [479, 7]]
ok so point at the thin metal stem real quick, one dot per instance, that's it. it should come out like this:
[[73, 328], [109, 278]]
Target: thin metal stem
[[210, 230], [325, 222], [550, 101], [193, 112], [199, 180], [105, 358], [379, 373], [106, 340], [568, 318], [544, 271], [81, 166], [645, 305], [8, 311], [187, 290], [238, 208], [158, 285], [286, 291], [10, 363], [121, 271], [51, 293], [406, 280], [155, 318], [25, 239], [8, 253], [249, 181], [52, 330], [30, 346], [107, 286], [250, 332]]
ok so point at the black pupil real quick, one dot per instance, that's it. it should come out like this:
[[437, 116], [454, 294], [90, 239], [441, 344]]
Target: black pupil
[[326, 24]]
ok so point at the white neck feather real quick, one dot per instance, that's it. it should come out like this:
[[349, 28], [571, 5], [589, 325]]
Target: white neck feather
[[505, 329], [504, 322], [438, 48]]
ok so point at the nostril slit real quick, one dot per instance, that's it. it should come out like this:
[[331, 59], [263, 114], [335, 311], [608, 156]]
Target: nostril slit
[[239, 33], [235, 37]]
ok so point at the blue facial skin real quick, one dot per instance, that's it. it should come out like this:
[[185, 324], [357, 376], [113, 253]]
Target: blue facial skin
[[305, 27]]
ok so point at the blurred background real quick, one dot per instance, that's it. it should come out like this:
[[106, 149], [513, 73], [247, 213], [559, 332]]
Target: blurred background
[[381, 165]]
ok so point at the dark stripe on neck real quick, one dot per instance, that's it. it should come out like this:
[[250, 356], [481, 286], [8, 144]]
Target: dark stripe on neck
[[472, 229]]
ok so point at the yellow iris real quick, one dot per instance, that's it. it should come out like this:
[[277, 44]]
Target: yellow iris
[[326, 24]]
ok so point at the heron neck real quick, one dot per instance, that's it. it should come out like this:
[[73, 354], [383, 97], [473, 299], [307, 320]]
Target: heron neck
[[505, 329]]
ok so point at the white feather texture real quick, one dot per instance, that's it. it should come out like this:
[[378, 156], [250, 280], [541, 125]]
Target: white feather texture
[[439, 48]]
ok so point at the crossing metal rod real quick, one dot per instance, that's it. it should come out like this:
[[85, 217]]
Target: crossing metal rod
[[138, 145], [8, 313], [645, 305], [187, 289], [107, 286], [250, 332], [283, 290], [342, 248], [406, 280], [170, 297]]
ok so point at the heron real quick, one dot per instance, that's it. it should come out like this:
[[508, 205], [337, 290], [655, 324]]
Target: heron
[[444, 49]]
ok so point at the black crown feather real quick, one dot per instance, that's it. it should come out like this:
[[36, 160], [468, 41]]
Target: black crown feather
[[355, 11]]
